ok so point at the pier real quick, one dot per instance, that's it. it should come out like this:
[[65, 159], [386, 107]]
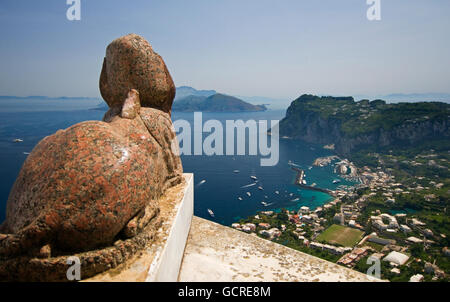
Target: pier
[[299, 182]]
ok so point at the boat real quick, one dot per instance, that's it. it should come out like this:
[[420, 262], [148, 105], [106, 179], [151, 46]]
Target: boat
[[249, 194], [240, 198], [236, 171], [18, 140], [211, 213], [313, 185], [26, 153], [336, 181], [292, 194], [264, 203], [260, 188], [277, 192], [202, 182], [309, 168], [296, 199], [253, 177]]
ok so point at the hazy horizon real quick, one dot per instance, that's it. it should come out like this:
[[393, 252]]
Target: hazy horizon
[[253, 48]]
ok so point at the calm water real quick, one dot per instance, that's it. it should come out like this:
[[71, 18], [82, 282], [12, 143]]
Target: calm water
[[31, 121]]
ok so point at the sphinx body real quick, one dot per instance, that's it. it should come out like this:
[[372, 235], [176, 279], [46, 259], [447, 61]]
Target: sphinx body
[[83, 188]]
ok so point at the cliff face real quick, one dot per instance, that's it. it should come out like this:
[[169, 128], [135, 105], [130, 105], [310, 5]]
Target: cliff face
[[354, 125]]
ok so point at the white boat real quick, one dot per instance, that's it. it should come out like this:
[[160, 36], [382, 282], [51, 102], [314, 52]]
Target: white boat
[[236, 171], [296, 199], [260, 188], [26, 153], [211, 212], [240, 198], [277, 192], [202, 182], [310, 168], [336, 181], [18, 140], [249, 194], [264, 203], [250, 185], [292, 194], [253, 177]]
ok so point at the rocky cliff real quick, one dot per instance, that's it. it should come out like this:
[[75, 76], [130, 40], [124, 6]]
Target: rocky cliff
[[354, 125]]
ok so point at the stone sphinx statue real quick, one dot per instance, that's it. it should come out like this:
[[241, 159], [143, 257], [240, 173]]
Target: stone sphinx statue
[[92, 190]]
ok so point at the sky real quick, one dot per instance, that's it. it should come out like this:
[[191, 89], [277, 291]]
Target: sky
[[278, 49]]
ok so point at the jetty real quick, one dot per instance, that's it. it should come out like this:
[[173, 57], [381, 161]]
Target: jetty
[[299, 182]]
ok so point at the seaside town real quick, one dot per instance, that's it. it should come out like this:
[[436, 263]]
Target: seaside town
[[386, 218]]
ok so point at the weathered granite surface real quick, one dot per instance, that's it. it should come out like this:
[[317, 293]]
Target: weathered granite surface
[[131, 63], [93, 189], [164, 255]]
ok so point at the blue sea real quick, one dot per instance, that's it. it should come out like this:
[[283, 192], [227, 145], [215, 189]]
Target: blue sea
[[217, 186]]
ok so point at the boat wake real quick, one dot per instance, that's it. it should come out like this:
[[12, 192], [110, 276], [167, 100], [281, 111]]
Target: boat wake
[[250, 185]]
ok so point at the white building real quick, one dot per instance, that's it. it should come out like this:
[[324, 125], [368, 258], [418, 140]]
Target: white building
[[397, 258], [417, 222], [416, 278], [304, 210], [405, 228], [414, 239]]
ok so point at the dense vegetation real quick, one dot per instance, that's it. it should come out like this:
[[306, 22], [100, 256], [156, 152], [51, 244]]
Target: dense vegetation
[[354, 125], [365, 116]]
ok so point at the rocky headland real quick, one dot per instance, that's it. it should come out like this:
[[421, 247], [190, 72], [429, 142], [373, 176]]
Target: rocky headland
[[351, 126]]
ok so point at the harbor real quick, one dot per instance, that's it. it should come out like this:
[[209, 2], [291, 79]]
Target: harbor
[[300, 181]]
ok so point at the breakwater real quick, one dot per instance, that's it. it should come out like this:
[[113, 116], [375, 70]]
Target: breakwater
[[299, 181]]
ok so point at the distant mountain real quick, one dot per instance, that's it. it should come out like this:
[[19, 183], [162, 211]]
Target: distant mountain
[[185, 91], [215, 103]]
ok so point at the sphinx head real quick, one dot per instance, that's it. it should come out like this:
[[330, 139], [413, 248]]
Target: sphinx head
[[131, 63]]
